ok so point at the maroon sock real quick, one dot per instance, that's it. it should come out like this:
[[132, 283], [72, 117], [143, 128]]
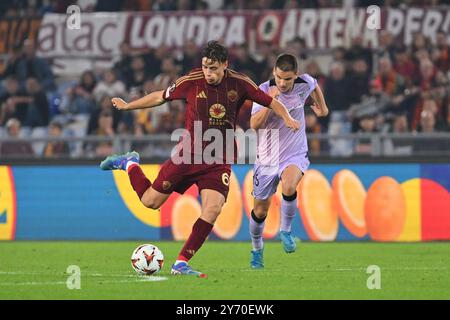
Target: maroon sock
[[200, 232], [138, 180]]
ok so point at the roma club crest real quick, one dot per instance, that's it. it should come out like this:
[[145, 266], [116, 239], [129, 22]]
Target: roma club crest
[[232, 95]]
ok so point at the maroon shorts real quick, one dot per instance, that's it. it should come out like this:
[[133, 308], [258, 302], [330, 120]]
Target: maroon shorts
[[179, 177]]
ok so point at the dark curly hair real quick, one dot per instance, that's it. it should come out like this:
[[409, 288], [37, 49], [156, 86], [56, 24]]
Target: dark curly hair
[[215, 51]]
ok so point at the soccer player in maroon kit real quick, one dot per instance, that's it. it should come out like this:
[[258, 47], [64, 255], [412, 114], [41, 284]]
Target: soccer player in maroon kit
[[213, 95]]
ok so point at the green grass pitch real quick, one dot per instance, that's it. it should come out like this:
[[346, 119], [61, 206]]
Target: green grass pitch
[[37, 270]]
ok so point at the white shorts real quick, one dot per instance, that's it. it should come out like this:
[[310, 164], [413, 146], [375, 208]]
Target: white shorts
[[266, 178]]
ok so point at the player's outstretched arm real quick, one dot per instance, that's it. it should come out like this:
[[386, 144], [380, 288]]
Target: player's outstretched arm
[[319, 107], [258, 119], [281, 111], [151, 100]]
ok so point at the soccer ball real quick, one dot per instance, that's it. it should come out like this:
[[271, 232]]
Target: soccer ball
[[147, 259]]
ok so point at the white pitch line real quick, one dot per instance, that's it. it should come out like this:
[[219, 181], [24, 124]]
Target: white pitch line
[[19, 273], [131, 278], [14, 273], [100, 275], [6, 284], [35, 283], [351, 269], [136, 278]]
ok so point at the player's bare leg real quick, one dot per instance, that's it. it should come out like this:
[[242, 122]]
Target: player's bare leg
[[256, 227], [212, 203], [153, 199], [290, 178]]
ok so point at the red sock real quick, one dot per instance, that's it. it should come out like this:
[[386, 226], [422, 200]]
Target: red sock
[[138, 180], [200, 232]]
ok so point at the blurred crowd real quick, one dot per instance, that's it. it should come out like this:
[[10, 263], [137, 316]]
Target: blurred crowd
[[392, 88], [38, 7]]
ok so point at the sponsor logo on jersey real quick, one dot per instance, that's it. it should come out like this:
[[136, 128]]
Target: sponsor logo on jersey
[[217, 111]]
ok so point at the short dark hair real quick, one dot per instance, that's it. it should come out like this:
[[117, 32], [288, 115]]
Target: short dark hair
[[287, 62], [215, 51]]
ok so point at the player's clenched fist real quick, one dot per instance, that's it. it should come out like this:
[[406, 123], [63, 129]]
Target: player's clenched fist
[[292, 124], [118, 103]]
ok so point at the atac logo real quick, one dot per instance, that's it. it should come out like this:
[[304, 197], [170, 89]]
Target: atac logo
[[217, 111]]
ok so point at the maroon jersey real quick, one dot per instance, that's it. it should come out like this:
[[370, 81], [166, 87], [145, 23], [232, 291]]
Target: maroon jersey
[[216, 106]]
